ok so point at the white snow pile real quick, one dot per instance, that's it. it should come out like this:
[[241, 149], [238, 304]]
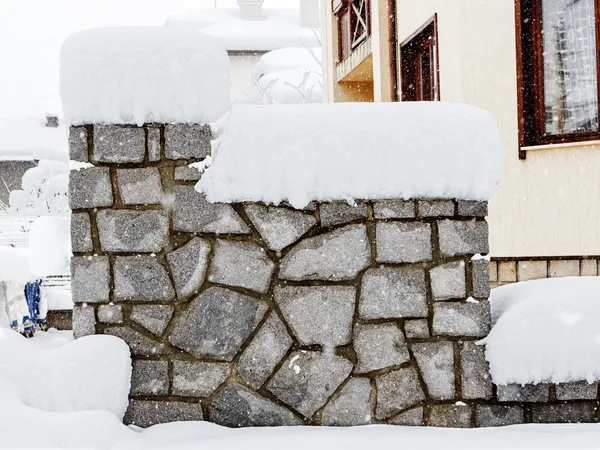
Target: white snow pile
[[346, 151], [29, 139], [143, 74], [50, 245], [288, 87], [545, 331], [288, 58]]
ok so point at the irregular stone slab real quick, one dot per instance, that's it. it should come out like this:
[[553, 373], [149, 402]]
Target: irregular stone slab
[[481, 278], [472, 208], [188, 266], [436, 364], [84, 321], [581, 390], [81, 235], [498, 415], [153, 318], [531, 393], [90, 188], [119, 144], [318, 314], [353, 406], [337, 213], [90, 279], [140, 186], [144, 413], [217, 323], [183, 141], [187, 173], [142, 278], [133, 231], [394, 209], [463, 237], [150, 378], [411, 418], [435, 208], [242, 264], [450, 416], [397, 391], [307, 379], [139, 344], [399, 242], [198, 379], [393, 294], [337, 255], [462, 319], [418, 328], [193, 213], [110, 314], [268, 347], [475, 372], [564, 413], [237, 406], [78, 144], [279, 227], [448, 281], [153, 134], [379, 346]]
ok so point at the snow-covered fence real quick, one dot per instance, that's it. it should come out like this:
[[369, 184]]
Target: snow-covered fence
[[14, 230]]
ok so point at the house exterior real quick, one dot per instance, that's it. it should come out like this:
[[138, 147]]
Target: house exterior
[[534, 65]]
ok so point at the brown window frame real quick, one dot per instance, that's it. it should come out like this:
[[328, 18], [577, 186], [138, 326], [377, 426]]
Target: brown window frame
[[421, 38], [348, 18], [530, 79]]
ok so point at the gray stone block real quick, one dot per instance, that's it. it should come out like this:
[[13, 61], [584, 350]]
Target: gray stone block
[[193, 213], [78, 144], [198, 379], [188, 266], [241, 264], [393, 294], [565, 413], [448, 281], [416, 329], [581, 390], [187, 173], [435, 208], [144, 413], [397, 391], [237, 406], [140, 186], [531, 393], [110, 314], [498, 415], [436, 364], [476, 380], [480, 270], [379, 346], [394, 209], [411, 418], [153, 318], [338, 213], [118, 144], [268, 347], [462, 237], [450, 416], [279, 227], [307, 379], [133, 231], [150, 378], [472, 208], [399, 242], [139, 344], [183, 141], [84, 321], [153, 144], [352, 407], [461, 319], [318, 315], [337, 255], [217, 323], [141, 278], [90, 188], [81, 234], [90, 279]]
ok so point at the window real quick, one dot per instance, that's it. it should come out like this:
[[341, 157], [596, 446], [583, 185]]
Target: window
[[419, 65], [557, 55], [354, 24]]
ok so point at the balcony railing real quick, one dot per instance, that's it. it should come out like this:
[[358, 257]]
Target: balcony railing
[[354, 24]]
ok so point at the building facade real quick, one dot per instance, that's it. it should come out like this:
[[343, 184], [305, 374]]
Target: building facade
[[533, 65]]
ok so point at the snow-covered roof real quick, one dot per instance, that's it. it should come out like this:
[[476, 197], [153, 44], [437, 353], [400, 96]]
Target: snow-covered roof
[[29, 139], [345, 151], [279, 28]]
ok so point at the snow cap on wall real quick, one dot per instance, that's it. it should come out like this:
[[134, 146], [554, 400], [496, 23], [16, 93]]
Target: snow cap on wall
[[345, 151], [135, 75]]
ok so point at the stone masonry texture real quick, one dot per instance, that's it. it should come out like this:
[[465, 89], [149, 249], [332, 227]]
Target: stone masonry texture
[[248, 314]]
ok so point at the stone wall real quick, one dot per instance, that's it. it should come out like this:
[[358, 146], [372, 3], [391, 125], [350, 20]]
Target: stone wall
[[249, 315]]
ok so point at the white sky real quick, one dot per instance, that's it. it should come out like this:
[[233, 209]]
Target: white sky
[[32, 32]]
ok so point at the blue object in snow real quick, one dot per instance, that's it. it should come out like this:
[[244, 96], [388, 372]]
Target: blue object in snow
[[33, 297]]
